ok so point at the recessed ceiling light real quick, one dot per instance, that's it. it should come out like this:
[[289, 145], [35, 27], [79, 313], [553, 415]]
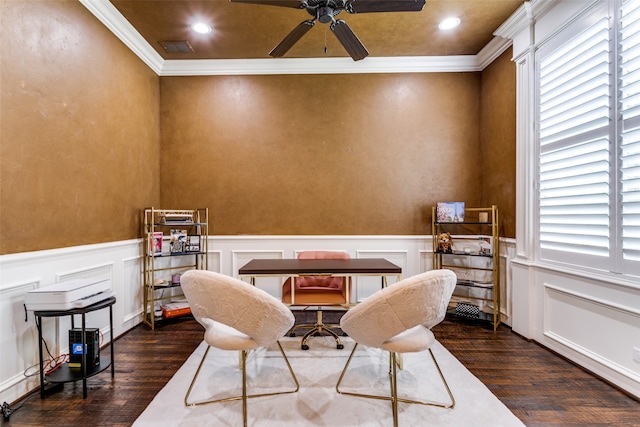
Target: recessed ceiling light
[[449, 23], [201, 28]]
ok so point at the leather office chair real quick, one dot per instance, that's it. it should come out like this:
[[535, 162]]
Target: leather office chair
[[399, 319], [236, 316], [318, 291]]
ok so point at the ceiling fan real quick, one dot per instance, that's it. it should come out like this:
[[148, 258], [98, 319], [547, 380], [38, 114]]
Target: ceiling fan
[[325, 12]]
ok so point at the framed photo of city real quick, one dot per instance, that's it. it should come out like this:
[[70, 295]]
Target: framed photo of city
[[450, 212]]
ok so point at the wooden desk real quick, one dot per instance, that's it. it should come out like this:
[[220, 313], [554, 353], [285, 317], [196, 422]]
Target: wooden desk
[[319, 267]]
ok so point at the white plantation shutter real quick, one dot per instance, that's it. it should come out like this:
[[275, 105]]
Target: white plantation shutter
[[574, 162], [589, 141], [629, 83]]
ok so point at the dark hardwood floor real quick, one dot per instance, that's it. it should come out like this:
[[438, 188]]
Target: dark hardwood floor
[[540, 388]]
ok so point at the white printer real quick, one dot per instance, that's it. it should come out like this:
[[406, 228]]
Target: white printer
[[77, 293]]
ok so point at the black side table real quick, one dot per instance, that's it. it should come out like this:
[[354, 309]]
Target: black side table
[[63, 373]]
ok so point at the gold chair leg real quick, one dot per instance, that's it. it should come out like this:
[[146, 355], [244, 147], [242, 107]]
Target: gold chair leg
[[393, 380], [193, 380], [244, 396], [393, 366], [244, 387]]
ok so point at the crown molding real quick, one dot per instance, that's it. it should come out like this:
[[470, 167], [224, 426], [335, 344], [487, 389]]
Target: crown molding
[[206, 67], [106, 13], [121, 28], [527, 13], [492, 51]]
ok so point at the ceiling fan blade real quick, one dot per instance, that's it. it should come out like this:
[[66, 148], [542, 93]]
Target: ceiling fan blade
[[292, 38], [295, 4], [368, 6], [349, 40]]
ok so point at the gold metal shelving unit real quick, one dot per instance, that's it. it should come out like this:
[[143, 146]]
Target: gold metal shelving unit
[[470, 298], [162, 262]]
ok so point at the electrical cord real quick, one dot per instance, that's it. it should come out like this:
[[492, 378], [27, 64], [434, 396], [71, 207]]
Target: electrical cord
[[52, 363], [49, 366]]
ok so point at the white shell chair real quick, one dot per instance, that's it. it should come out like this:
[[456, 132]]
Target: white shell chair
[[399, 319], [236, 316]]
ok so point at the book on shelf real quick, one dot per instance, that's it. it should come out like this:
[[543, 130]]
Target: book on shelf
[[175, 309], [169, 217], [450, 212]]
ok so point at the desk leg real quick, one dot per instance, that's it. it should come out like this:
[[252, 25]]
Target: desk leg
[[385, 282], [84, 359], [113, 361], [39, 322]]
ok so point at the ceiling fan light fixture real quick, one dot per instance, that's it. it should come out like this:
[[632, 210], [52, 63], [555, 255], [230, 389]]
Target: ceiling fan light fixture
[[201, 28], [449, 24], [325, 11]]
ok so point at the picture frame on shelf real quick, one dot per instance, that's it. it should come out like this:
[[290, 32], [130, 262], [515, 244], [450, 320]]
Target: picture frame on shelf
[[450, 212], [178, 241], [193, 243]]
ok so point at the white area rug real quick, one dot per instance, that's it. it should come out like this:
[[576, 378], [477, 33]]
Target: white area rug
[[317, 403]]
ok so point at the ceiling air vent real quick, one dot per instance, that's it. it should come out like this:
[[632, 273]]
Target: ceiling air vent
[[177, 47]]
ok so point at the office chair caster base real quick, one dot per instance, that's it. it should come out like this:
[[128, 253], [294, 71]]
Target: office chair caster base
[[304, 347], [340, 346]]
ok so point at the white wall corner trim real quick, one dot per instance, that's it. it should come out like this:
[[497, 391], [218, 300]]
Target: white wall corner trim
[[492, 51], [121, 28], [524, 16]]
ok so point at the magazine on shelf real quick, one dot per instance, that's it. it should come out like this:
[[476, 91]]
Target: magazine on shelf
[[155, 243], [450, 212]]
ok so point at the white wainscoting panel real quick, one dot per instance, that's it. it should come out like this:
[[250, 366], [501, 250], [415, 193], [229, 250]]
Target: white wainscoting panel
[[365, 286], [122, 262], [273, 285], [602, 330], [593, 320]]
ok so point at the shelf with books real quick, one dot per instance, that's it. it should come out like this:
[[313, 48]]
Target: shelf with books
[[470, 248], [174, 241]]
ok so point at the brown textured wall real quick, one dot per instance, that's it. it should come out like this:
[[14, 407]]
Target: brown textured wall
[[81, 149], [320, 154], [498, 136], [79, 137]]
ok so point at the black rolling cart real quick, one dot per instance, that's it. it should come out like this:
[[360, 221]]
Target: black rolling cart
[[64, 373]]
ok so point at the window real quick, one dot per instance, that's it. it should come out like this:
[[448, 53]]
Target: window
[[630, 132], [589, 142]]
